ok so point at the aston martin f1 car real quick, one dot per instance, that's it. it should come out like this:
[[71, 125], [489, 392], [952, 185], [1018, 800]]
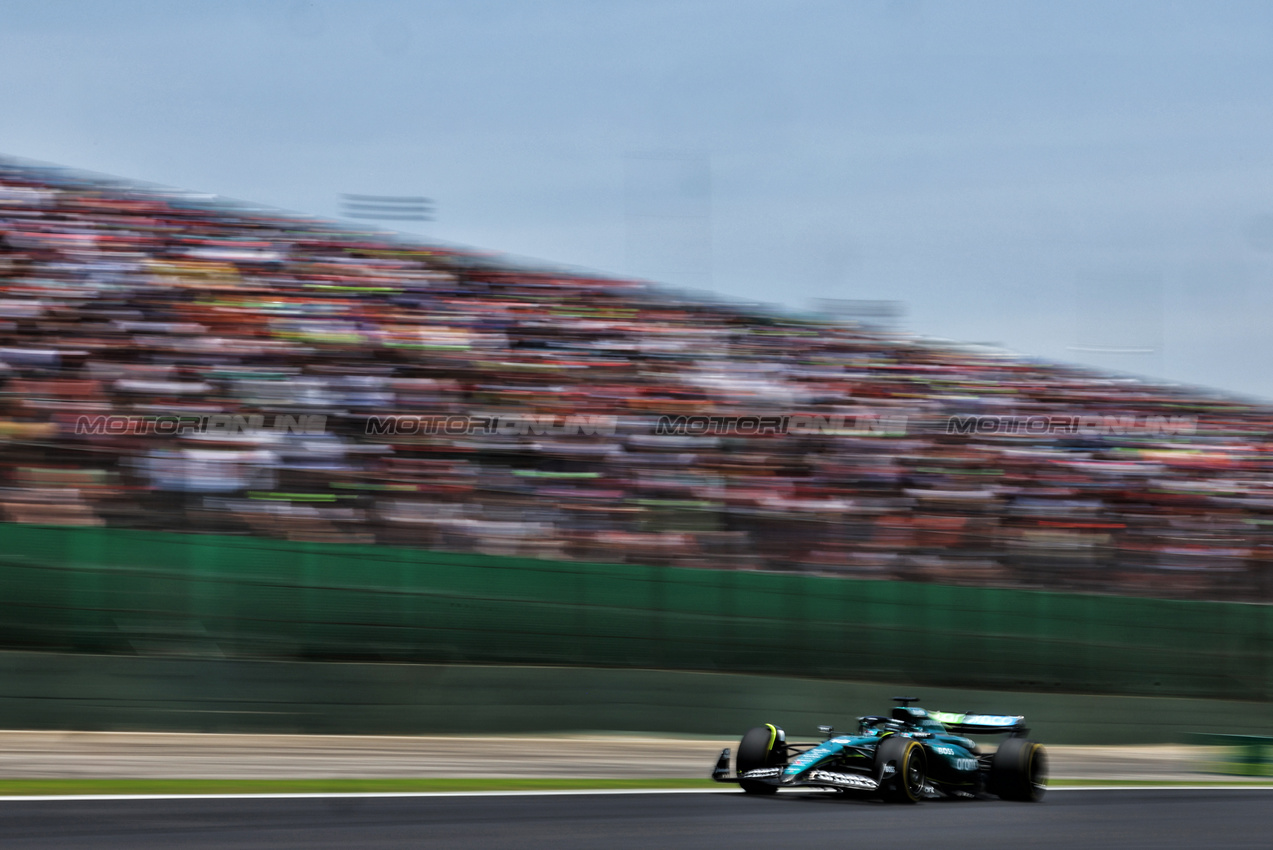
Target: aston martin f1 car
[[910, 755]]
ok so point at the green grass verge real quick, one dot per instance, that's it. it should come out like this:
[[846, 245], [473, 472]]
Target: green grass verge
[[34, 787]]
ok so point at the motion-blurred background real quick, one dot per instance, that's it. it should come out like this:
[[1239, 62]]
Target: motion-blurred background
[[266, 470]]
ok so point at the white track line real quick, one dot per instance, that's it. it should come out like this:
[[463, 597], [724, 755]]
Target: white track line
[[1207, 787], [321, 795]]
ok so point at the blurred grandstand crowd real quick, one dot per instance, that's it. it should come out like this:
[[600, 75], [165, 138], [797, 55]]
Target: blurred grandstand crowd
[[119, 299]]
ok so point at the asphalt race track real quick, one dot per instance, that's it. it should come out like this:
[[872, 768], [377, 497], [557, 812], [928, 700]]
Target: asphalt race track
[[1087, 819]]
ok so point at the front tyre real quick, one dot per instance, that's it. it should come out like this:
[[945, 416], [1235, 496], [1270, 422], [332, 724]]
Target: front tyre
[[1019, 771], [901, 768], [761, 747]]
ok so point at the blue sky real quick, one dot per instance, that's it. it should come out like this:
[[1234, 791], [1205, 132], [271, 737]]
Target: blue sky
[[1058, 178]]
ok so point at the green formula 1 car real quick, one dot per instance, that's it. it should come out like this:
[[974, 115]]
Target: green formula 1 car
[[908, 756]]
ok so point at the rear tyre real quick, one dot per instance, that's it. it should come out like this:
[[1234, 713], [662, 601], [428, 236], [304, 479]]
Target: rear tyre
[[901, 768], [1019, 771], [759, 748]]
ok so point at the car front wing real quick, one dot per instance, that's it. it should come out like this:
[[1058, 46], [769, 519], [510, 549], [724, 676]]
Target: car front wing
[[815, 778]]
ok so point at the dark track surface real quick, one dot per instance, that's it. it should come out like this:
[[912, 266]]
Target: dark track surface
[[1084, 819]]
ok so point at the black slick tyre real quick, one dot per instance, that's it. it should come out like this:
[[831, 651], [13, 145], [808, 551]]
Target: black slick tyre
[[1019, 771], [901, 768], [758, 749]]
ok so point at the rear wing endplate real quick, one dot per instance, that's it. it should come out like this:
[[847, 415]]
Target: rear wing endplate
[[981, 724]]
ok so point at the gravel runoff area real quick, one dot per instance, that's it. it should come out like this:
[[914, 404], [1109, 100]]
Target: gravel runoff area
[[162, 755]]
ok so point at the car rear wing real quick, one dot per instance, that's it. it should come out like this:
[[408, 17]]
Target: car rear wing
[[981, 724]]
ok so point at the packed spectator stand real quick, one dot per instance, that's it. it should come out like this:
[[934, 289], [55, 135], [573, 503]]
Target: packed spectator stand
[[124, 306]]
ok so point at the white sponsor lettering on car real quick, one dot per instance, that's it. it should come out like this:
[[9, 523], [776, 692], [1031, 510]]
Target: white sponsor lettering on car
[[845, 780]]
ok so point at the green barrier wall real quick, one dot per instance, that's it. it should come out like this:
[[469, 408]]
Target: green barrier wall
[[154, 593], [46, 690]]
